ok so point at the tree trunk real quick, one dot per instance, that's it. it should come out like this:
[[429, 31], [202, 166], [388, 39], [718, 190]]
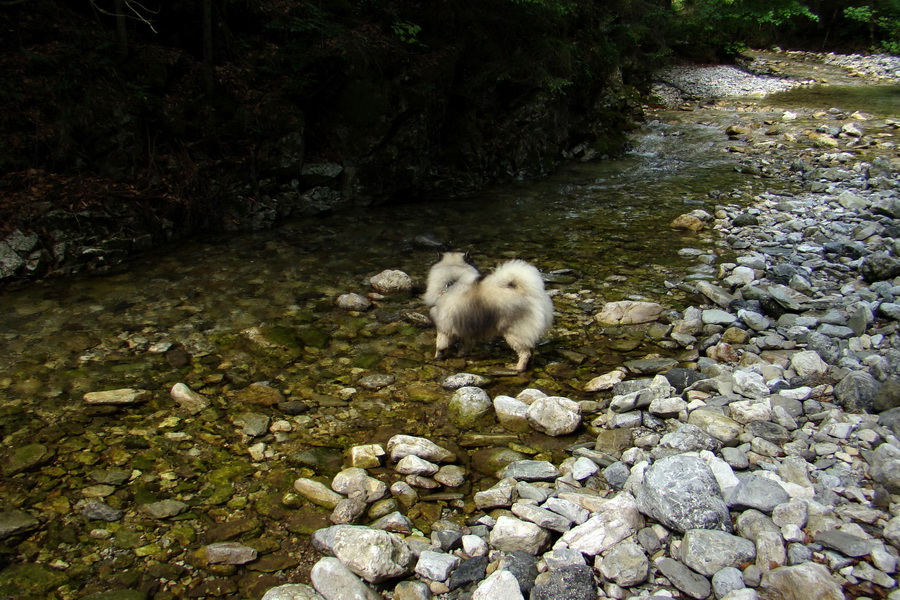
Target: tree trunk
[[121, 29]]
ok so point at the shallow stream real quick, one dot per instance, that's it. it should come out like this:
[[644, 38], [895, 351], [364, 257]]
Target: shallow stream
[[223, 313]]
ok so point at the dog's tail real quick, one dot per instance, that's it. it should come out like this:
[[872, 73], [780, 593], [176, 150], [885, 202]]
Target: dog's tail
[[516, 276]]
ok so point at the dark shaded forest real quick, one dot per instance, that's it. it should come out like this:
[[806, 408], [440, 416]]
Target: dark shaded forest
[[182, 115]]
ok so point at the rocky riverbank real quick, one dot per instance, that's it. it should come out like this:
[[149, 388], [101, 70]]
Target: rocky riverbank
[[763, 463]]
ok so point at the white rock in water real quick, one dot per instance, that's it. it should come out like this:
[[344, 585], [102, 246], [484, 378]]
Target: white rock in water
[[334, 580], [188, 399], [511, 413], [404, 445], [628, 312], [607, 381], [391, 281], [117, 397], [554, 415], [373, 554], [229, 553], [413, 465], [354, 482], [292, 591], [353, 302], [316, 492]]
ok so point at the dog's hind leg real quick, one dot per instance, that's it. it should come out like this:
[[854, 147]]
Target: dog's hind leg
[[522, 349]]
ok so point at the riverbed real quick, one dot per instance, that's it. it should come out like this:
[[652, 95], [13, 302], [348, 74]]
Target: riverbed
[[250, 322]]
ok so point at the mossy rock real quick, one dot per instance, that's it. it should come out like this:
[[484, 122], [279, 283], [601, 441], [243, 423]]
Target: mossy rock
[[29, 580]]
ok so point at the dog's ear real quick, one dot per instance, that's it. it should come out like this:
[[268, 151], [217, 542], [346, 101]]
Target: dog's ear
[[468, 258]]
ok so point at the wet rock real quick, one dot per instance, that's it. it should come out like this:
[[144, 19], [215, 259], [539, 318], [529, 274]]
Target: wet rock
[[26, 458], [628, 312], [334, 580], [372, 554], [511, 413], [404, 445], [367, 456], [682, 493], [292, 591], [318, 493], [13, 522], [459, 380], [100, 511], [554, 415], [188, 400], [230, 553], [119, 397], [391, 282], [353, 302], [163, 509], [252, 424], [469, 406]]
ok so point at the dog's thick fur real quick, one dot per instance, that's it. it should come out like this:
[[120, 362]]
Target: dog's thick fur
[[467, 307]]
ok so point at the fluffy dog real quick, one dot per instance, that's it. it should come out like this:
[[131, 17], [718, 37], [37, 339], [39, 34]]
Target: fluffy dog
[[467, 307]]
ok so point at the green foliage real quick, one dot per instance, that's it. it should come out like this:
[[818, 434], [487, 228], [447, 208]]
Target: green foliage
[[883, 22], [407, 32], [728, 26]]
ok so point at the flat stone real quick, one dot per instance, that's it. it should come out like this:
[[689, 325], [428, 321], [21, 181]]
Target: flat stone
[[757, 492], [686, 580], [530, 470], [230, 553], [163, 509], [318, 493], [845, 543], [13, 522], [117, 397]]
